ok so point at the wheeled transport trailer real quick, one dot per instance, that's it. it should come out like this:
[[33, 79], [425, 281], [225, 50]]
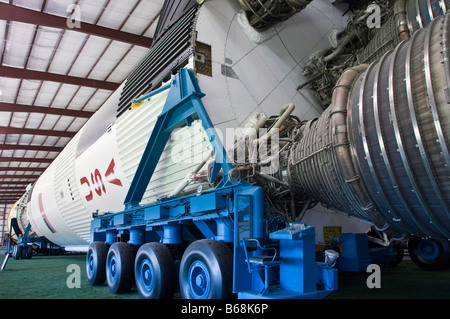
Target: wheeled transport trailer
[[214, 244]]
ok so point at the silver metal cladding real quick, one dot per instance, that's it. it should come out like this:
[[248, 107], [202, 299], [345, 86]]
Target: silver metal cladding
[[381, 150], [263, 14]]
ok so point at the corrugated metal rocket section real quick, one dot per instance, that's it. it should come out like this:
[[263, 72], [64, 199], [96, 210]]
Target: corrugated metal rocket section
[[67, 194], [182, 106], [172, 47], [407, 17], [264, 14], [109, 148], [182, 153], [381, 151], [172, 11]]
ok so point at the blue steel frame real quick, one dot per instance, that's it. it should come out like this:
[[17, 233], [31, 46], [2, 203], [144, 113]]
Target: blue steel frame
[[215, 213], [211, 212], [183, 105]]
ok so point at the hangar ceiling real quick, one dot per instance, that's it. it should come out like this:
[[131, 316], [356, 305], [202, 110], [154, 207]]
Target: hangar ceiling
[[59, 61]]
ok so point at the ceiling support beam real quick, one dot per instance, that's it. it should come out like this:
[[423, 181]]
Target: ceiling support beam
[[15, 188], [10, 107], [8, 200], [14, 13], [15, 130], [23, 169], [23, 74], [26, 160], [38, 148], [18, 176]]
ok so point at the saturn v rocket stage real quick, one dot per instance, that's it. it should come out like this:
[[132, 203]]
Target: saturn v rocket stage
[[370, 141]]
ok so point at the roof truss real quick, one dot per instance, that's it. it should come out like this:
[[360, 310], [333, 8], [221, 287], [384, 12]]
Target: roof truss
[[17, 73], [16, 130], [10, 107], [16, 13]]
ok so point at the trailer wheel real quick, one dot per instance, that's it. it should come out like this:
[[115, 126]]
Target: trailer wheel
[[429, 254], [154, 272], [119, 268], [206, 271], [17, 252], [29, 253], [96, 263], [14, 252]]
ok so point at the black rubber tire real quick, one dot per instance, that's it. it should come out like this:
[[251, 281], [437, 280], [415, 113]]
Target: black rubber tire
[[154, 272], [14, 252], [400, 249], [440, 251], [120, 268], [213, 258], [96, 263], [17, 252], [29, 253]]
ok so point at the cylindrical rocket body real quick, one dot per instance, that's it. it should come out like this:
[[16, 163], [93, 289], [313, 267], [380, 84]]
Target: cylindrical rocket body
[[249, 77]]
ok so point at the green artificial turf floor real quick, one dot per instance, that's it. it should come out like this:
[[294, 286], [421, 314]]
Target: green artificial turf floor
[[47, 277]]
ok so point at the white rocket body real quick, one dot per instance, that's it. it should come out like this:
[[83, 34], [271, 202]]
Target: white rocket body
[[265, 68]]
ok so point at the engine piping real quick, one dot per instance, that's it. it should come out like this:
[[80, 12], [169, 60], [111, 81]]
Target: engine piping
[[381, 150]]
